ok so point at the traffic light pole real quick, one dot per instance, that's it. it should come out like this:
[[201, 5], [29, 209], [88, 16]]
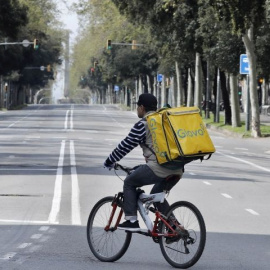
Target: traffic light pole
[[16, 43], [126, 44]]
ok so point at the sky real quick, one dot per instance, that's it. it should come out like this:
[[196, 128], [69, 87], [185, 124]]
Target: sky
[[68, 17], [70, 21]]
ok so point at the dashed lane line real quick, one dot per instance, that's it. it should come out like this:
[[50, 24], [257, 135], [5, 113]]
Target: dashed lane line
[[226, 195], [24, 245], [8, 256], [207, 183], [252, 212]]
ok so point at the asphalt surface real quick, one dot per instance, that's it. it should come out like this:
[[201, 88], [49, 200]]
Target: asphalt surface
[[51, 175]]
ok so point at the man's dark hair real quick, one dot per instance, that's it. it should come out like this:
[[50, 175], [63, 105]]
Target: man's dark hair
[[149, 102]]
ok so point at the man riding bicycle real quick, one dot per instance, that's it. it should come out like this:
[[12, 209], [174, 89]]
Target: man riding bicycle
[[147, 174]]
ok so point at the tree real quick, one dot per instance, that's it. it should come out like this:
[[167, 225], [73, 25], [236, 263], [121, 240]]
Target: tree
[[13, 15], [246, 18]]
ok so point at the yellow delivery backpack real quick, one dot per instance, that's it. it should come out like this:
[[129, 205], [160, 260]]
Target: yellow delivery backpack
[[179, 136]]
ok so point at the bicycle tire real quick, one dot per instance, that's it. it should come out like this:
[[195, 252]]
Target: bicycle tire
[[191, 219], [107, 246]]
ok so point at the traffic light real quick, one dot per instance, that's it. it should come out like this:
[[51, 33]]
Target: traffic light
[[6, 87], [92, 70], [36, 44], [134, 46], [109, 44], [49, 68]]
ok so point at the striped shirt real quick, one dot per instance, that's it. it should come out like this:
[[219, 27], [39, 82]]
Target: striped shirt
[[136, 136]]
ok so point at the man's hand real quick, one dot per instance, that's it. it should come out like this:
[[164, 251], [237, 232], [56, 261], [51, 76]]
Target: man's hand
[[108, 165]]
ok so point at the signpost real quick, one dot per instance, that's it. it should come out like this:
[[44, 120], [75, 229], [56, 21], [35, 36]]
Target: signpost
[[159, 77], [244, 64], [244, 69]]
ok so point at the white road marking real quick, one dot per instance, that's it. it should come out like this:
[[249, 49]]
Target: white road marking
[[24, 245], [11, 125], [75, 196], [71, 119], [252, 212], [66, 120], [8, 256], [191, 173], [238, 148], [226, 195], [207, 183], [53, 217], [36, 236], [244, 161], [44, 228]]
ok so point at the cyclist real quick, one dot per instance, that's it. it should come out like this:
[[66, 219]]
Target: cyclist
[[147, 174]]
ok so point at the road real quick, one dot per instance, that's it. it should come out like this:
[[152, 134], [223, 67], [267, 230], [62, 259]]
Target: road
[[51, 175]]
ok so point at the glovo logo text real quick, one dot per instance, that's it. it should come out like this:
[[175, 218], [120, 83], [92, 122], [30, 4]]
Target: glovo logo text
[[182, 133], [153, 128]]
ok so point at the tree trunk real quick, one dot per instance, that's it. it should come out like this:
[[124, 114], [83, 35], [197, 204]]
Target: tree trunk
[[198, 82], [236, 121], [180, 91], [190, 98], [226, 99], [163, 92], [254, 102]]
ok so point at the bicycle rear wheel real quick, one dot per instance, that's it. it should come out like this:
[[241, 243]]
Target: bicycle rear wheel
[[107, 245], [184, 250]]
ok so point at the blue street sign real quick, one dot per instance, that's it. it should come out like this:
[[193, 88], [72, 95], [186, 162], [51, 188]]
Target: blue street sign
[[159, 77], [116, 88], [244, 64]]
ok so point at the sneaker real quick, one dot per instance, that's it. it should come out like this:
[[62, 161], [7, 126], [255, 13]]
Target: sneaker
[[129, 226]]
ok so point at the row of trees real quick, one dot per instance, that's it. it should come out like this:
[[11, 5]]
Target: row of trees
[[189, 41], [20, 74]]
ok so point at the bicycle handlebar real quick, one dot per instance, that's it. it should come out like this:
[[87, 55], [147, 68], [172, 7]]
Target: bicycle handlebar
[[127, 170]]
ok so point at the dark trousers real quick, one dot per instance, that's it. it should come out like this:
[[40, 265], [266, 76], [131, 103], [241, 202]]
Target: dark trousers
[[142, 176]]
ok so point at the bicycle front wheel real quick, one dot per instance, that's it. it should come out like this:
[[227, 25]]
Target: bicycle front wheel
[[107, 245], [184, 250]]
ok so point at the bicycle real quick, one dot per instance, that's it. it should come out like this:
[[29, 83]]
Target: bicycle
[[180, 232]]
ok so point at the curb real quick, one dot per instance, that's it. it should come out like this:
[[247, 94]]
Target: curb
[[224, 131]]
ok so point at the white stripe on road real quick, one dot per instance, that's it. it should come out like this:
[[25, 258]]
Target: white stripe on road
[[252, 212], [207, 183], [71, 119], [24, 245], [8, 256], [66, 120], [36, 236], [53, 217], [75, 197], [244, 161], [238, 148], [226, 195]]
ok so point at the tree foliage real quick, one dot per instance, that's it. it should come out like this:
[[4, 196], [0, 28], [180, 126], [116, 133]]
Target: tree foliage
[[30, 19]]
